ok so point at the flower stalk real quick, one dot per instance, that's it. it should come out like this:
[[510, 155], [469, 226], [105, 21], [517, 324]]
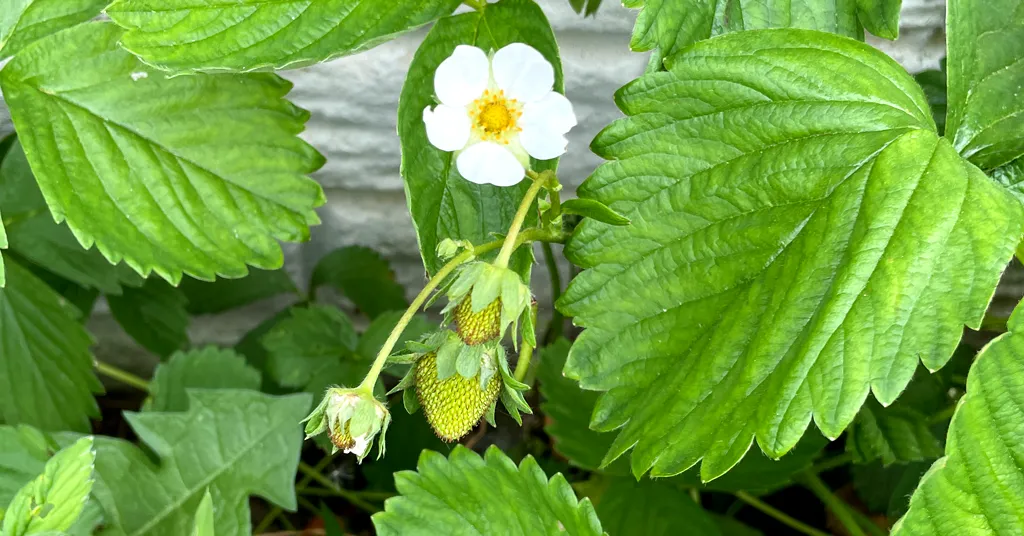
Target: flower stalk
[[510, 244]]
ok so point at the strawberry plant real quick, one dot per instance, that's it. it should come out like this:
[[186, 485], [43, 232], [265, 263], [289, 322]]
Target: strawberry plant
[[775, 268]]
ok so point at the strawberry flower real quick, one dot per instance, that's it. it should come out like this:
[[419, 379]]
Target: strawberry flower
[[496, 112]]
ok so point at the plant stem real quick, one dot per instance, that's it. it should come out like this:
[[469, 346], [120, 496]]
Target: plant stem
[[556, 325], [517, 222], [385, 351], [523, 365], [779, 515], [122, 376], [832, 463], [366, 495], [349, 496], [841, 510], [478, 5]]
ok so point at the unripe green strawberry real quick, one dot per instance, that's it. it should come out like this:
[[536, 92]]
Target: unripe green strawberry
[[453, 405], [479, 327]]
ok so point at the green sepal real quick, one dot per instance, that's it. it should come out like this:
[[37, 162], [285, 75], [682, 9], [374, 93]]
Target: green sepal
[[381, 448], [407, 381], [488, 287], [515, 297], [315, 422], [463, 282], [529, 332], [595, 210], [418, 347], [402, 358], [447, 355], [467, 364], [489, 416], [363, 419], [513, 402], [442, 290], [512, 393], [496, 352], [410, 401]]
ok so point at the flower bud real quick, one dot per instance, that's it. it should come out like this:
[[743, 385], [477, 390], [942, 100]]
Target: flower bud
[[352, 418]]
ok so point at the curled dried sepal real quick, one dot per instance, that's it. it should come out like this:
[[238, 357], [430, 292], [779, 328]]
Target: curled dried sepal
[[484, 300], [352, 418]]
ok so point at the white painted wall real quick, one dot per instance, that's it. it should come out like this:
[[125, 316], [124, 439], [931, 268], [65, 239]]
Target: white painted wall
[[354, 101]]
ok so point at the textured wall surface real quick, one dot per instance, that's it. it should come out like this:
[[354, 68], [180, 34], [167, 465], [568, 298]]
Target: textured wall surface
[[353, 102]]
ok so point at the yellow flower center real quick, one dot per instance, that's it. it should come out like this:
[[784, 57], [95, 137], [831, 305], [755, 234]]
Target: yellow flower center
[[495, 117]]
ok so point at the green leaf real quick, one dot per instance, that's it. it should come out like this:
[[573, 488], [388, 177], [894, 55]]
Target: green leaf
[[199, 174], [442, 203], [887, 489], [797, 241], [53, 501], [568, 409], [229, 443], [1011, 176], [891, 435], [253, 35], [332, 527], [933, 82], [730, 527], [651, 508], [880, 17], [976, 487], [205, 368], [204, 525], [469, 495], [225, 294], [362, 276], [251, 344], [986, 72], [585, 7], [669, 26], [408, 436], [26, 21], [47, 379], [757, 473], [154, 315], [23, 453], [313, 349], [594, 209], [905, 431], [35, 236]]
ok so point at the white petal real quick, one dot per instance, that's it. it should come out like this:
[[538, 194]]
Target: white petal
[[522, 72], [489, 163], [552, 112], [359, 445], [542, 143], [447, 127], [462, 77]]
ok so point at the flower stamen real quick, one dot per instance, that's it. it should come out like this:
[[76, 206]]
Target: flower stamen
[[495, 117]]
